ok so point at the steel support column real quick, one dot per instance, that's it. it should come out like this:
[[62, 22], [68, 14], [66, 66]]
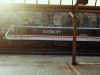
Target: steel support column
[[74, 35]]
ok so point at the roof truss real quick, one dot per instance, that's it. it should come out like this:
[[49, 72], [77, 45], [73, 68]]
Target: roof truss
[[48, 8]]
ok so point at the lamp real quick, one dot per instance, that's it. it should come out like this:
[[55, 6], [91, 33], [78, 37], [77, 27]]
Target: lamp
[[82, 1]]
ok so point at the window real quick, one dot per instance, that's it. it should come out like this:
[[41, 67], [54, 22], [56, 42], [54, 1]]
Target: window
[[18, 1], [23, 31], [29, 31], [12, 31], [88, 20], [6, 1], [31, 1], [17, 31]]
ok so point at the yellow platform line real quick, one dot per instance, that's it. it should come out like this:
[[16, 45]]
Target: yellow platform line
[[74, 69], [67, 71]]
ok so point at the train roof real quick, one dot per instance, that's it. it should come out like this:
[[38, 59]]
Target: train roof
[[27, 26]]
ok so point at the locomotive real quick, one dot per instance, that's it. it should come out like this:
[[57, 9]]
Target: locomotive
[[60, 34]]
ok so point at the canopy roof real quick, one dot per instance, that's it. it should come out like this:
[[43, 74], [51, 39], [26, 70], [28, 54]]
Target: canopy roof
[[54, 2]]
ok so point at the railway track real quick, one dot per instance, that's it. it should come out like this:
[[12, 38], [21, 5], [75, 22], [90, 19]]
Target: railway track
[[49, 52]]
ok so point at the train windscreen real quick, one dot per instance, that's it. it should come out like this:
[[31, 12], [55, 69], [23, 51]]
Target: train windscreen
[[15, 31]]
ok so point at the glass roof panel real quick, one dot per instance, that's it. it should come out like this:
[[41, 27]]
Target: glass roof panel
[[6, 1], [18, 1], [56, 2], [98, 3], [31, 1], [74, 2], [91, 3], [66, 2], [42, 1]]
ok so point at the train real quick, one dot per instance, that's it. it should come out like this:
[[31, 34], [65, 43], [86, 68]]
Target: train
[[21, 32], [54, 30], [19, 35]]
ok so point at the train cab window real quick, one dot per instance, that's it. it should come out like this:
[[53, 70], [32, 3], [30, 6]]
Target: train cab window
[[18, 31], [15, 30], [12, 30]]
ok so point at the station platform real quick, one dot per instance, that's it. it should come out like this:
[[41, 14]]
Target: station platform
[[48, 65]]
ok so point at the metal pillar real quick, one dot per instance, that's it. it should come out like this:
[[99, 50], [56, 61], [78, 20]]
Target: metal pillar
[[12, 1], [24, 1], [74, 35]]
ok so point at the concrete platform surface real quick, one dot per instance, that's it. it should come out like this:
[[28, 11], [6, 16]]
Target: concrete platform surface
[[48, 65]]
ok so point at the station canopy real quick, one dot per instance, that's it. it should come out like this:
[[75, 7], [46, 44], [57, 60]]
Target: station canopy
[[51, 2]]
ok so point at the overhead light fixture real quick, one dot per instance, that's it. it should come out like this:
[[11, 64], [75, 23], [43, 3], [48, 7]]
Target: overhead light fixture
[[82, 1]]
